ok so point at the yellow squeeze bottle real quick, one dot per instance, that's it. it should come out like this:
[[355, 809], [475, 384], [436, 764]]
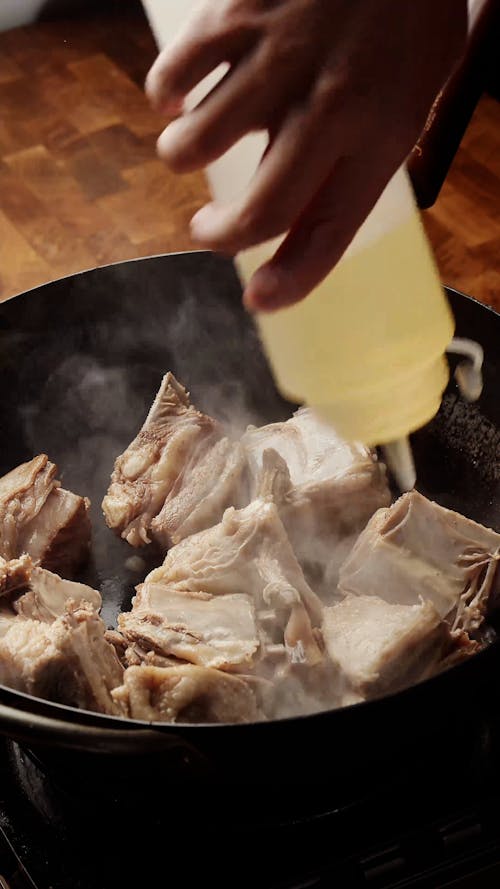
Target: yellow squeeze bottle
[[366, 348]]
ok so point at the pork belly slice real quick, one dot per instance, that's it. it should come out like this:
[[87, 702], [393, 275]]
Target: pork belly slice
[[186, 694], [335, 486], [417, 549], [173, 434], [205, 487], [380, 647], [67, 661], [211, 631], [14, 574], [48, 595], [42, 519]]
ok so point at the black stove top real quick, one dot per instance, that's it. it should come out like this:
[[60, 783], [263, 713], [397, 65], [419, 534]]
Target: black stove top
[[420, 830]]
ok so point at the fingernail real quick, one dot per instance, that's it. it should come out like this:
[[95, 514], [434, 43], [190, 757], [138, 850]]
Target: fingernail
[[266, 290], [203, 224], [166, 141], [173, 106]]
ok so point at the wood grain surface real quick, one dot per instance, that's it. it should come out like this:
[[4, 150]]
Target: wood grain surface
[[80, 185]]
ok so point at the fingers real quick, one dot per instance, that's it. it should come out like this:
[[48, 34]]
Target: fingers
[[296, 164], [197, 51], [231, 110], [250, 97], [320, 236]]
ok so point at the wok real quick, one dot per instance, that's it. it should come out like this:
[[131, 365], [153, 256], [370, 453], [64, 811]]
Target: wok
[[80, 362]]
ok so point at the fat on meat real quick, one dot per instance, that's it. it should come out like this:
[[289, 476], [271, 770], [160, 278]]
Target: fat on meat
[[205, 487], [231, 597], [48, 594], [416, 550], [173, 437], [207, 630], [379, 646], [67, 661], [40, 518], [249, 554], [334, 487], [186, 694]]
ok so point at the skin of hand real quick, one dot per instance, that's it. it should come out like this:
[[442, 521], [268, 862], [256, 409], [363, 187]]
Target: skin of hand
[[342, 87]]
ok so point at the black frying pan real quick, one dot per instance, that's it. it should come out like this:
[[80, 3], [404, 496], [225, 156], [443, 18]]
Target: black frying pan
[[80, 362]]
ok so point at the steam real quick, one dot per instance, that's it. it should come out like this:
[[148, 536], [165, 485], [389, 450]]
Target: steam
[[86, 367], [99, 364], [87, 414]]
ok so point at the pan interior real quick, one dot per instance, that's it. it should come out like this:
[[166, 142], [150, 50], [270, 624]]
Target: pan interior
[[81, 360]]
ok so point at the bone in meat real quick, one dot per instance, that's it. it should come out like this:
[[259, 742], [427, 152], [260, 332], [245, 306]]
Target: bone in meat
[[40, 518], [204, 488], [249, 554], [211, 631], [14, 574], [48, 596], [23, 492], [186, 694], [335, 487], [145, 474], [234, 556], [67, 661], [417, 549]]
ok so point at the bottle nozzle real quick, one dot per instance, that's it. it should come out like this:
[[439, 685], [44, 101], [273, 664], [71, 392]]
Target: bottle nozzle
[[399, 458], [468, 374]]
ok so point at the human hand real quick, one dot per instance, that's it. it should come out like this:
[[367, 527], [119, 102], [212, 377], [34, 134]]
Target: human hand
[[343, 88]]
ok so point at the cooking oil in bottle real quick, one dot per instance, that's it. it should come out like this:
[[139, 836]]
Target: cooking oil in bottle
[[366, 348]]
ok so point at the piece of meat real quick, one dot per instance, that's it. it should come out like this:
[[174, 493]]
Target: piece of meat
[[186, 694], [205, 487], [173, 434], [23, 493], [42, 519], [67, 661], [211, 631], [135, 656], [380, 646], [245, 553], [335, 487], [14, 574], [58, 538], [48, 596], [249, 554], [418, 550], [233, 596]]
